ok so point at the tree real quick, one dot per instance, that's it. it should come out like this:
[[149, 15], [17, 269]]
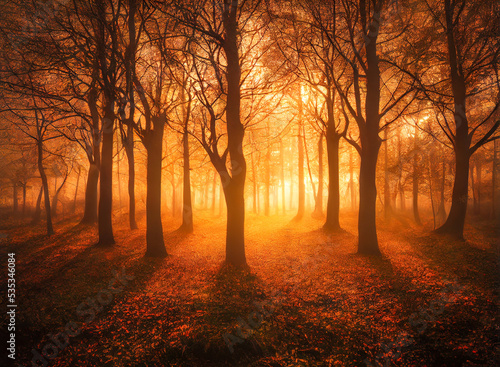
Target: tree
[[467, 96]]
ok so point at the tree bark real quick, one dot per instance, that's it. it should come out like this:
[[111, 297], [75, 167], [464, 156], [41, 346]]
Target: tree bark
[[41, 169], [55, 199], [38, 211], [234, 190], [91, 196], [370, 146], [15, 195], [154, 227], [187, 206], [106, 237], [332, 222], [387, 190], [318, 208], [416, 214], [282, 177], [302, 186], [73, 208], [494, 181]]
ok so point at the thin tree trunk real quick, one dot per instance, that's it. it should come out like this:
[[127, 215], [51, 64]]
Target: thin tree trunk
[[15, 195], [387, 191], [478, 187], [24, 199], [187, 211], [129, 151], [282, 177], [351, 179], [267, 178], [415, 180], [494, 181], [73, 208], [302, 187], [318, 209], [41, 169], [38, 210], [55, 199]]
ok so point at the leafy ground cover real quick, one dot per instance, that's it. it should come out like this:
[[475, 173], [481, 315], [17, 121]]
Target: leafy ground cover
[[307, 298]]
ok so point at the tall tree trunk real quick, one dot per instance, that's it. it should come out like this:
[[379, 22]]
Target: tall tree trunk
[[254, 174], [118, 178], [318, 209], [24, 199], [154, 227], [234, 191], [282, 177], [415, 180], [370, 146], [129, 151], [15, 195], [302, 186], [332, 222], [402, 198], [494, 181], [455, 222], [73, 207], [187, 211], [38, 210], [351, 179], [479, 167], [91, 195], [106, 237], [267, 178], [55, 199], [387, 190], [45, 183]]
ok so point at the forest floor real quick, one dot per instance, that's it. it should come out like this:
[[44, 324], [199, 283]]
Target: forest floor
[[307, 299]]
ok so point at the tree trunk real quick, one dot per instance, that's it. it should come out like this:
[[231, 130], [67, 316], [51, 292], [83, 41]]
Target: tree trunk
[[235, 204], [318, 209], [15, 195], [55, 199], [479, 167], [302, 186], [129, 151], [332, 222], [282, 177], [494, 181], [106, 237], [41, 169], [38, 211], [154, 227], [73, 208], [370, 146], [454, 224], [24, 199], [351, 180], [387, 190], [91, 196], [267, 179], [367, 231], [234, 190], [415, 180], [187, 207]]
